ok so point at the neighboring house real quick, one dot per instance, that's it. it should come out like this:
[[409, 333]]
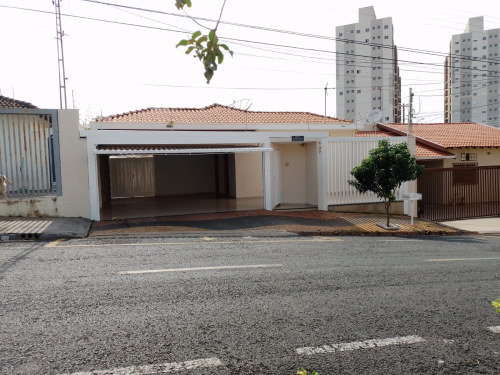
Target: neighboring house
[[448, 145], [164, 161], [6, 102], [462, 175], [43, 157]]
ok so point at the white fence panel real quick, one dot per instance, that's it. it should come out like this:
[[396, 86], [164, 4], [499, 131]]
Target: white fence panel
[[343, 154]]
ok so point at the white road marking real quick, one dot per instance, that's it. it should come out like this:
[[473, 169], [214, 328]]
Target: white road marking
[[458, 259], [207, 238], [375, 343], [494, 329], [397, 240], [52, 244], [199, 269], [160, 368]]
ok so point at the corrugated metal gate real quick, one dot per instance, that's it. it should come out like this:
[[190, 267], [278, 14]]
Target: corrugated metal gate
[[29, 152], [460, 192]]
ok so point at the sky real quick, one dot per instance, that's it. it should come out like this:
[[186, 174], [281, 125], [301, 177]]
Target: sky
[[113, 68]]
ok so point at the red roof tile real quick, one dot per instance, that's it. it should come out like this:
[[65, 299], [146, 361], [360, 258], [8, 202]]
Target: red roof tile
[[422, 151], [6, 102], [450, 135], [220, 114]]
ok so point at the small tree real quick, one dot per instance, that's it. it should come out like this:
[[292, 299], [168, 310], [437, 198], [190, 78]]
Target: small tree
[[387, 167]]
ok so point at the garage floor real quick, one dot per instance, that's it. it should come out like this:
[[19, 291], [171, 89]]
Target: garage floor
[[129, 208]]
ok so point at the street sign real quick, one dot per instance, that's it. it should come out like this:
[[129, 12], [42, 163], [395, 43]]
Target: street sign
[[297, 138]]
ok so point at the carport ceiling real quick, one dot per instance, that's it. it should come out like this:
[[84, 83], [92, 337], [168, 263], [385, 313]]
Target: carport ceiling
[[178, 149]]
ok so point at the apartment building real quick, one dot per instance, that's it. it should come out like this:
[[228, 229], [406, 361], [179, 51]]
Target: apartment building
[[367, 69], [472, 76]]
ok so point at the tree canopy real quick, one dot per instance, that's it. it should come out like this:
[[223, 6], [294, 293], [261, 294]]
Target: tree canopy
[[387, 167]]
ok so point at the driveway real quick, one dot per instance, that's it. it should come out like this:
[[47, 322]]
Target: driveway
[[480, 225]]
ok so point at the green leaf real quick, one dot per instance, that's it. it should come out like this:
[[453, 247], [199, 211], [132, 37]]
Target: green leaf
[[211, 34], [224, 46], [202, 39], [196, 34], [188, 3], [220, 57], [188, 51], [183, 42]]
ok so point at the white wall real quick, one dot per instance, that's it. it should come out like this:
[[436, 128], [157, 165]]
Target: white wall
[[312, 173], [184, 174], [249, 183], [293, 175]]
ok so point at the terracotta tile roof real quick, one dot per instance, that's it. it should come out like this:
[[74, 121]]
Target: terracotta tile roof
[[6, 102], [220, 114], [422, 151], [450, 135]]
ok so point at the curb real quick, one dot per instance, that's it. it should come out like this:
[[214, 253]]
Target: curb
[[383, 234], [38, 236]]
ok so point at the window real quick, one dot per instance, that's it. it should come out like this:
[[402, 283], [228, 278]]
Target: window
[[387, 119], [358, 71], [368, 29], [359, 91], [457, 42], [484, 38], [341, 93], [475, 48], [378, 27], [469, 157], [358, 31], [457, 51], [340, 34], [386, 37], [484, 47], [386, 26]]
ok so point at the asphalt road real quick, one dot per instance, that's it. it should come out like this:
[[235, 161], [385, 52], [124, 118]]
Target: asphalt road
[[346, 305]]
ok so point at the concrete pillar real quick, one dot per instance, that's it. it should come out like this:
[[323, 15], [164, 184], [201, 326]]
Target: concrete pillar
[[411, 186], [268, 204]]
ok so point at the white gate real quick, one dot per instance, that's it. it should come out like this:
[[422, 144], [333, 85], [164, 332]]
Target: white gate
[[343, 154]]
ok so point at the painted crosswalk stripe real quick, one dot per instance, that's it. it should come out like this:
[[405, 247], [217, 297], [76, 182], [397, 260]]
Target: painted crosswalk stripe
[[160, 368], [200, 269], [495, 329], [375, 343]]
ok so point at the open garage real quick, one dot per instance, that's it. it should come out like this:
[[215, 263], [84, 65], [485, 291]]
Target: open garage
[[195, 180]]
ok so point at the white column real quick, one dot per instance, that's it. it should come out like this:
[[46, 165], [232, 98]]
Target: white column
[[323, 175], [268, 204], [411, 186], [93, 181]]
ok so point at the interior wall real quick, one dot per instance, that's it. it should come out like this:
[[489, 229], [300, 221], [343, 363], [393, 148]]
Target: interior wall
[[249, 183], [232, 175], [184, 174], [312, 173], [293, 173]]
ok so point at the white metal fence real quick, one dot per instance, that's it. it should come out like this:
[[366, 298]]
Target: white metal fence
[[29, 152], [343, 155]]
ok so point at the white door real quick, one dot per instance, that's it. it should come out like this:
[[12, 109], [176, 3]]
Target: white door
[[277, 177]]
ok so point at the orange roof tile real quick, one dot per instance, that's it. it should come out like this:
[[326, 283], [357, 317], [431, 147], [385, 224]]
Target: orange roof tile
[[220, 114], [422, 151], [450, 135]]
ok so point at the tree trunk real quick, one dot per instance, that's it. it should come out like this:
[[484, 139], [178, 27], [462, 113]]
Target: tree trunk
[[387, 209]]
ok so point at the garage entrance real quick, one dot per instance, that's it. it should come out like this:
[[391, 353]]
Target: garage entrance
[[164, 184]]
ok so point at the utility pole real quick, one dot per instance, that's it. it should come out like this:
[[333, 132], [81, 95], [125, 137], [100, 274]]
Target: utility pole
[[60, 54], [410, 113], [403, 105], [326, 93]]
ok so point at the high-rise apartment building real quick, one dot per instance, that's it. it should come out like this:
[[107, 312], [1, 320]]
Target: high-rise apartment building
[[472, 76], [367, 69]]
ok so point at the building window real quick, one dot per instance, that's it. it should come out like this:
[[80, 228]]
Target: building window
[[484, 47], [359, 91], [358, 31], [367, 30], [386, 37], [469, 157], [457, 51], [341, 93], [358, 71], [340, 34], [387, 119], [484, 38]]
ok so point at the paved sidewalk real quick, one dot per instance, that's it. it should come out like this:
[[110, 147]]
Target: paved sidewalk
[[480, 225], [17, 228], [299, 222]]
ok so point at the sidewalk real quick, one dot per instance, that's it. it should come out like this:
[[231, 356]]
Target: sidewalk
[[481, 225], [306, 223], [25, 228]]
